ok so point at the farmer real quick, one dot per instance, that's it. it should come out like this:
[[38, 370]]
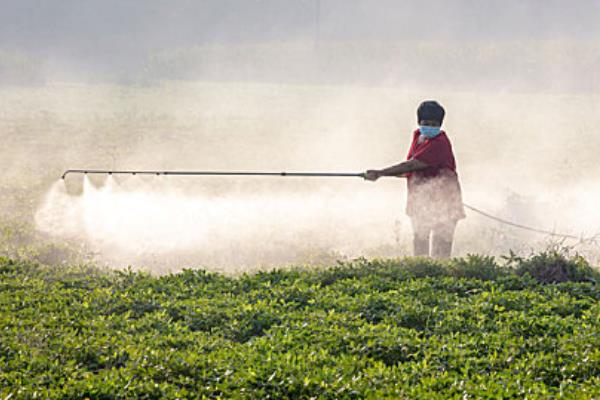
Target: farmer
[[434, 200]]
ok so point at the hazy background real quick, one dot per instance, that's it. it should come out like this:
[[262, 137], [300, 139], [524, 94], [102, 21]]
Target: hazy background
[[326, 85], [456, 44]]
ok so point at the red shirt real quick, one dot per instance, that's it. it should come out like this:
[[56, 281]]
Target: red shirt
[[434, 193]]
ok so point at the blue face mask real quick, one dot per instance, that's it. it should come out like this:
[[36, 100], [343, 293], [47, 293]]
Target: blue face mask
[[429, 131]]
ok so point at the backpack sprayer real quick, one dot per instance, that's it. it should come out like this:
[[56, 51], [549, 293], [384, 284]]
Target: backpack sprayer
[[593, 239]]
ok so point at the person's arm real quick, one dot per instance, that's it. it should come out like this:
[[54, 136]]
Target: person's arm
[[396, 170]]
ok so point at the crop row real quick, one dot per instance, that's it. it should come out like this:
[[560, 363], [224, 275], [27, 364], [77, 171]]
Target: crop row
[[409, 328]]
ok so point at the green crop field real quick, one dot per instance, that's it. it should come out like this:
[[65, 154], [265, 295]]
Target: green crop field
[[471, 327]]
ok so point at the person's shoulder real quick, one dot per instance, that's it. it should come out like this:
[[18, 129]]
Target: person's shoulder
[[444, 141], [440, 142], [443, 136]]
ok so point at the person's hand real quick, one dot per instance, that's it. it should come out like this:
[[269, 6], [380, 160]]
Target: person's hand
[[372, 175]]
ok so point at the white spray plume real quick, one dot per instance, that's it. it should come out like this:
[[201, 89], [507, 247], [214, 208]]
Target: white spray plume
[[128, 225]]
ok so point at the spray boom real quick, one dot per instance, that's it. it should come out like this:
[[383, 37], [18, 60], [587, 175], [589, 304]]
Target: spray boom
[[215, 173]]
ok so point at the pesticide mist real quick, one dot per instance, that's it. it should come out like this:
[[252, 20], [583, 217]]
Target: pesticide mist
[[324, 85], [147, 221], [511, 162]]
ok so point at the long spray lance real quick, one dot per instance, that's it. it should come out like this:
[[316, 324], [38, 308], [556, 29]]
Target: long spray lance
[[215, 173]]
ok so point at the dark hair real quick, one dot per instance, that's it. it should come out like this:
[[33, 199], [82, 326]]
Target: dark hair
[[431, 110]]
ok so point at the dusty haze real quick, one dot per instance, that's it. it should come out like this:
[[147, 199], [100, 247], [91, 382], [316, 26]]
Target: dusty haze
[[295, 86]]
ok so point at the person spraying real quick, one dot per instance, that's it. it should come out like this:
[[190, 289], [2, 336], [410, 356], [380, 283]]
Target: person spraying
[[434, 198]]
